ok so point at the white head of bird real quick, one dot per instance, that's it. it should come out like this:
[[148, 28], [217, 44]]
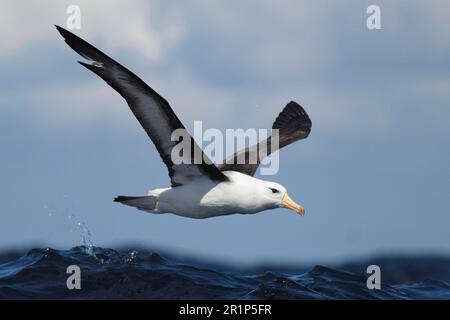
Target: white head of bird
[[246, 194], [278, 195]]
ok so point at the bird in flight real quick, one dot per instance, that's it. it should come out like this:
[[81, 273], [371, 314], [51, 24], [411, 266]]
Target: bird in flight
[[198, 190]]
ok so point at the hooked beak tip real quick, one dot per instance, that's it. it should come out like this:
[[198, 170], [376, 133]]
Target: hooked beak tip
[[301, 211], [288, 203]]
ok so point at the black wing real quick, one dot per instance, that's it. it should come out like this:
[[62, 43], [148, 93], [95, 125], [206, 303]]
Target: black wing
[[293, 124], [152, 111]]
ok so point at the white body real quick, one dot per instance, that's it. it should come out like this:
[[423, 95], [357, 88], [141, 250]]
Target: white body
[[205, 198]]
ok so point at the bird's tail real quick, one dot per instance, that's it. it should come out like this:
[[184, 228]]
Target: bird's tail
[[145, 203]]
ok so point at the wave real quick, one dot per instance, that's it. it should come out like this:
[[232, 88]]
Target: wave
[[140, 274]]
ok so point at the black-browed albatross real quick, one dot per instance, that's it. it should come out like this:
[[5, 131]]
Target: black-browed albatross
[[197, 190]]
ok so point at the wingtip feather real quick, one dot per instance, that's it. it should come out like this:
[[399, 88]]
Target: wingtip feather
[[63, 32]]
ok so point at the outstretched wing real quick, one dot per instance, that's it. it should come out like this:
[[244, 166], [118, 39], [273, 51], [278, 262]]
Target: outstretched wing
[[152, 111], [293, 124]]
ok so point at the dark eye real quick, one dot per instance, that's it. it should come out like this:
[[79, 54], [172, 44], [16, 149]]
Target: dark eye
[[274, 190]]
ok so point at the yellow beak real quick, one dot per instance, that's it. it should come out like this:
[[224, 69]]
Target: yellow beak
[[287, 202]]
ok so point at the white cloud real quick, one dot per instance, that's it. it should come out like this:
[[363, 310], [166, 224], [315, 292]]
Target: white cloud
[[22, 25], [285, 50], [116, 25], [135, 29]]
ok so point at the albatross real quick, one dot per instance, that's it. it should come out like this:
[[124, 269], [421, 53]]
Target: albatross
[[198, 190]]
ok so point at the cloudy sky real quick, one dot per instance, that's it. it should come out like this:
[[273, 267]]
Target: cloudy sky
[[373, 176]]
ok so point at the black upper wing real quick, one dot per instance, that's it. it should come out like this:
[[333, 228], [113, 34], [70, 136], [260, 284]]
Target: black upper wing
[[293, 124], [152, 111]]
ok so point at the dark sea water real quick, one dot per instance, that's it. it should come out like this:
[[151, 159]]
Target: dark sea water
[[141, 274]]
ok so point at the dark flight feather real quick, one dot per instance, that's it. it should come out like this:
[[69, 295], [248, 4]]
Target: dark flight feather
[[293, 124], [152, 111]]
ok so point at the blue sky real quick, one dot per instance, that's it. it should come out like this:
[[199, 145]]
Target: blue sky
[[373, 175]]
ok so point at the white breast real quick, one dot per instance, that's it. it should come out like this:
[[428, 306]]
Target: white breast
[[204, 198]]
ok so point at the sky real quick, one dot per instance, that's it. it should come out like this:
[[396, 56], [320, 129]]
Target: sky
[[373, 175]]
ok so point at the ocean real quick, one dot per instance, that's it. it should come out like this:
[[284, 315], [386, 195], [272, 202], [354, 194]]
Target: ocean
[[41, 273]]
